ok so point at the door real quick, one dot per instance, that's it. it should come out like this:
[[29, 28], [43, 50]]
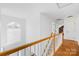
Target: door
[[69, 28]]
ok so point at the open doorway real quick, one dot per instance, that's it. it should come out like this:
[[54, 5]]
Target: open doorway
[[61, 29]]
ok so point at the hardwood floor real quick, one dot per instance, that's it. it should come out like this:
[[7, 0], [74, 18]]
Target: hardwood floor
[[78, 51], [68, 48]]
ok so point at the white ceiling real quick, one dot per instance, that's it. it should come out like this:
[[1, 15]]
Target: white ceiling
[[51, 10]]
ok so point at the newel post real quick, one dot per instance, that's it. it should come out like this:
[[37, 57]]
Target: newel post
[[53, 40]]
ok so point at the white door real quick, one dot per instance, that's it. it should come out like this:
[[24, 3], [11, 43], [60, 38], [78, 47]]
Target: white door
[[69, 28]]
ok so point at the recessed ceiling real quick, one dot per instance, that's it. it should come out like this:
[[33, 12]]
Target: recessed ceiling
[[62, 5]]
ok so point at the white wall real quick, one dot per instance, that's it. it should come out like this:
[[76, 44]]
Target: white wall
[[53, 26], [0, 29], [45, 26], [71, 28], [77, 29], [32, 16]]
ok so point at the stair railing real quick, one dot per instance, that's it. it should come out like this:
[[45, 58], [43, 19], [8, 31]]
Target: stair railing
[[43, 48]]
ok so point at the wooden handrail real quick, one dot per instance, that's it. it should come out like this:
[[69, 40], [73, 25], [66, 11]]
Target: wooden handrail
[[8, 52]]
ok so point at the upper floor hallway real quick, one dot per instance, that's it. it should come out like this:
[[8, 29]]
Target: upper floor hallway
[[39, 29]]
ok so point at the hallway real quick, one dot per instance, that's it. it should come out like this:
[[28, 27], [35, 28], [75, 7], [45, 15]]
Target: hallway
[[39, 29]]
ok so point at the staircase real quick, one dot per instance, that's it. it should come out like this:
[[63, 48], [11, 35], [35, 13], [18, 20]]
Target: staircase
[[68, 48]]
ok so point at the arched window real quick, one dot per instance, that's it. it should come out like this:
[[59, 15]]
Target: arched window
[[13, 33]]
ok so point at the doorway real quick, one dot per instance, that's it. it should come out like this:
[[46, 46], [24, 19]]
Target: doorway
[[61, 29]]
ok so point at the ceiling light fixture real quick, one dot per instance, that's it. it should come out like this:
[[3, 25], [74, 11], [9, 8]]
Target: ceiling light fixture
[[69, 16], [62, 5]]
